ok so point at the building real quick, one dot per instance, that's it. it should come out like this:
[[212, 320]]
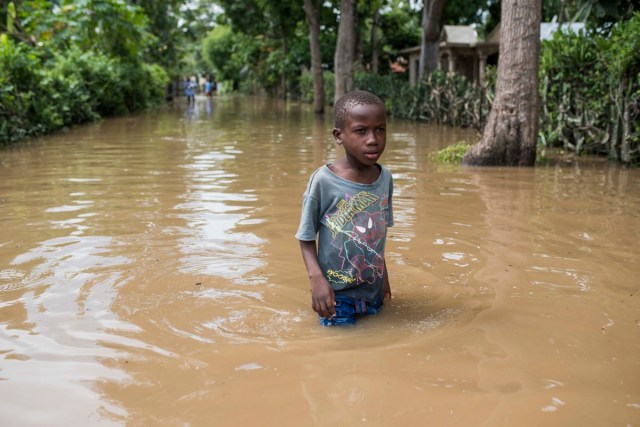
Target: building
[[461, 52]]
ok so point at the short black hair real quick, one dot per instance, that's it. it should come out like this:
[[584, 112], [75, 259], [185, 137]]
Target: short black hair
[[350, 100]]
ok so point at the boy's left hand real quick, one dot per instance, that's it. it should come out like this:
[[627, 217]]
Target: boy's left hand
[[386, 290], [386, 286]]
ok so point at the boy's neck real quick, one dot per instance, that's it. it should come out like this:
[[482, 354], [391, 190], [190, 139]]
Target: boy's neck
[[361, 175]]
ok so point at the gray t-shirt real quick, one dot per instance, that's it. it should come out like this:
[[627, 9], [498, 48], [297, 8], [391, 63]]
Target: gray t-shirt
[[350, 221]]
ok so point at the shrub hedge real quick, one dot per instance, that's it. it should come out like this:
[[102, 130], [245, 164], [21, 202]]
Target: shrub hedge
[[589, 90], [42, 91]]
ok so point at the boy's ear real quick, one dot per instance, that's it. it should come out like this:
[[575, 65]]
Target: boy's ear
[[337, 135]]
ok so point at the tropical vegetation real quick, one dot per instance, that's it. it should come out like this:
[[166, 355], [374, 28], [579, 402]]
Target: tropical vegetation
[[590, 92], [68, 61]]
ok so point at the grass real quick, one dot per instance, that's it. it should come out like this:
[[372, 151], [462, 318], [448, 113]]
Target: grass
[[452, 154]]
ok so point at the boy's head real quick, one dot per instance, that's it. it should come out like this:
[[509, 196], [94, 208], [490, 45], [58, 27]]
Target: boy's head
[[350, 100], [360, 122]]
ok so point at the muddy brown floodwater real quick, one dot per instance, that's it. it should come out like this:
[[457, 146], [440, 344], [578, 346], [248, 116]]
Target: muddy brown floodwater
[[149, 276]]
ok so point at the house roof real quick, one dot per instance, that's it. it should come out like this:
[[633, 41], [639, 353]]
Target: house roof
[[459, 34], [463, 36], [451, 35]]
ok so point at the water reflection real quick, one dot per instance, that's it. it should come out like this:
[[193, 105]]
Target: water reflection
[[211, 211], [56, 322]]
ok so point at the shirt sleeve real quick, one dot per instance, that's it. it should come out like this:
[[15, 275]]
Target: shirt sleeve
[[308, 228], [390, 222]]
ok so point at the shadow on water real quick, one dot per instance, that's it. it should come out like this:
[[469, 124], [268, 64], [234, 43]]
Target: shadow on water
[[149, 276]]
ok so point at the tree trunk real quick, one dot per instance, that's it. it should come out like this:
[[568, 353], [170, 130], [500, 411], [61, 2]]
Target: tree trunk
[[374, 42], [313, 16], [431, 14], [358, 56], [283, 76], [509, 138], [345, 49], [625, 146]]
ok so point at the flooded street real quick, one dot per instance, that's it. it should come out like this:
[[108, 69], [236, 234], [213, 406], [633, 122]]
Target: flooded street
[[149, 276]]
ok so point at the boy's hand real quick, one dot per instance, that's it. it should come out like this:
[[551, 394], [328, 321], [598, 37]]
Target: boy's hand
[[323, 299], [386, 286], [386, 290]]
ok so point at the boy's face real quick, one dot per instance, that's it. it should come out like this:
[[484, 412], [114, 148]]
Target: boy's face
[[364, 135]]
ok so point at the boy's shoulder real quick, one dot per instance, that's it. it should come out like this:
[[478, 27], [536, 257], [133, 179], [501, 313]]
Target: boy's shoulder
[[384, 169], [385, 172], [320, 176], [317, 172]]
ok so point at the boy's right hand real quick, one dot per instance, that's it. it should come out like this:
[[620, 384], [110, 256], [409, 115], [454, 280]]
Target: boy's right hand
[[323, 299]]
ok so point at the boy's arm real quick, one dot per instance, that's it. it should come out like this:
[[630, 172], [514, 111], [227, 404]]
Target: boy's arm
[[386, 286], [323, 299]]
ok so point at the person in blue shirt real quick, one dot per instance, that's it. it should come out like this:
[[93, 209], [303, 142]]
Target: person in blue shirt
[[190, 90], [208, 87], [346, 210]]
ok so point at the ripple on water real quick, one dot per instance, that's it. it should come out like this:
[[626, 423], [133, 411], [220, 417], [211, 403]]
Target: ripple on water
[[459, 259], [252, 366], [254, 324], [66, 208], [14, 277], [561, 279], [434, 320], [11, 274]]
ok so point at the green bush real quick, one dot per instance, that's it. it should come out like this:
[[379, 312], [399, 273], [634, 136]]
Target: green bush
[[440, 98], [590, 92], [452, 154], [142, 85], [306, 86], [39, 93], [573, 92], [17, 82], [329, 86], [229, 53], [100, 76]]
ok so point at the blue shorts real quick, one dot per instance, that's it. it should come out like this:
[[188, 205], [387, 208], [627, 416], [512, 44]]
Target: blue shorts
[[347, 307]]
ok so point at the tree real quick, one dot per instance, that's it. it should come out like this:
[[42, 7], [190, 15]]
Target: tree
[[374, 37], [272, 24], [431, 13], [603, 13], [114, 27], [465, 12], [399, 28], [220, 51], [313, 16], [345, 49], [163, 25], [510, 136]]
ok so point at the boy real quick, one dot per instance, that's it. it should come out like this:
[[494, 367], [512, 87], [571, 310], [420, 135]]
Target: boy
[[347, 205]]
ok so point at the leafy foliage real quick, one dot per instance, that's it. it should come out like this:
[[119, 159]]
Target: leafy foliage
[[590, 92], [306, 86], [440, 98], [228, 52], [274, 36], [572, 84], [114, 27], [400, 28], [165, 35], [70, 61], [452, 154]]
